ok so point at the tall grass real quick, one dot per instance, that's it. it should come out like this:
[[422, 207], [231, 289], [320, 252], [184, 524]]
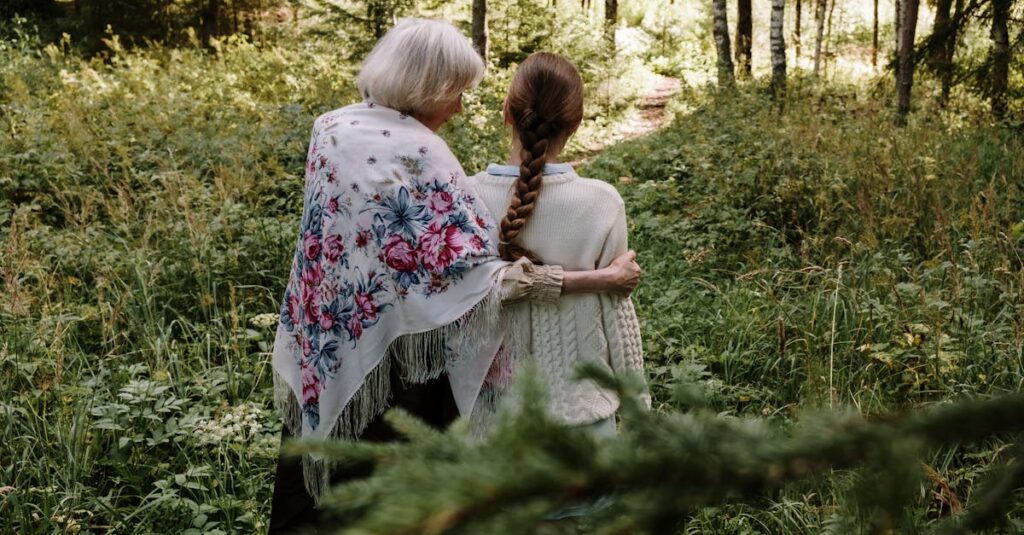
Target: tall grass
[[824, 258]]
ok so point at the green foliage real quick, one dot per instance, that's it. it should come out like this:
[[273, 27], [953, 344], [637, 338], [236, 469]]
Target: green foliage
[[660, 470]]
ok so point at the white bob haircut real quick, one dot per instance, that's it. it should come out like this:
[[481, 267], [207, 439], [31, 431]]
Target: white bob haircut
[[419, 66]]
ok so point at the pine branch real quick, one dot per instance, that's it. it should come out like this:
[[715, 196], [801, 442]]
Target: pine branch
[[661, 469]]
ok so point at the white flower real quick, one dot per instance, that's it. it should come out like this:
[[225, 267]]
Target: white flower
[[264, 320]]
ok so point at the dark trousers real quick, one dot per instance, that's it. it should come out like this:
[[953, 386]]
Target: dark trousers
[[293, 509]]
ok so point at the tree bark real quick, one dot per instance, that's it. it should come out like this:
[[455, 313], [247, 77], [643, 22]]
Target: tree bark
[[778, 42], [611, 18], [819, 18], [1000, 56], [897, 24], [480, 27], [209, 27], [908, 28], [744, 37], [726, 74], [949, 50], [940, 32], [874, 35], [796, 33]]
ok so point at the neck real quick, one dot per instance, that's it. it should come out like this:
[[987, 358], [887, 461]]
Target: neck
[[517, 149]]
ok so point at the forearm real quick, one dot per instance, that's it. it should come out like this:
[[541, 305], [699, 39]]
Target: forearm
[[579, 282]]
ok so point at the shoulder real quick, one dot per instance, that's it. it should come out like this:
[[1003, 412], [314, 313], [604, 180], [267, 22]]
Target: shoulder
[[333, 117], [599, 192]]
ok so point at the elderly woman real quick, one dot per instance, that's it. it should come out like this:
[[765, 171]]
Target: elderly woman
[[396, 278]]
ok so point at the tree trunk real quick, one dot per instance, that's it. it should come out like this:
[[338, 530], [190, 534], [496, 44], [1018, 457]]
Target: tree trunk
[[949, 50], [940, 32], [726, 76], [828, 32], [819, 18], [744, 37], [778, 48], [897, 24], [480, 27], [1000, 56], [611, 18], [796, 33], [209, 15], [908, 29], [874, 35]]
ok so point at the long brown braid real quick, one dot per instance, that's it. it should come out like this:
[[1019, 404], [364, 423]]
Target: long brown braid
[[545, 106]]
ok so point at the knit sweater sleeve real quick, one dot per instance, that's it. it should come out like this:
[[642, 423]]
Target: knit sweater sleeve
[[618, 315]]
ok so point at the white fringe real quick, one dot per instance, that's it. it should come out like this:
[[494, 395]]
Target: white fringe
[[515, 350], [420, 358]]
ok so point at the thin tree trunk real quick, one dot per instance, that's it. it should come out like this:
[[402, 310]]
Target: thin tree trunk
[[1000, 56], [874, 35], [906, 58], [949, 50], [940, 32], [744, 37], [828, 32], [726, 74], [480, 27], [778, 43], [611, 18], [898, 28], [799, 23], [819, 19]]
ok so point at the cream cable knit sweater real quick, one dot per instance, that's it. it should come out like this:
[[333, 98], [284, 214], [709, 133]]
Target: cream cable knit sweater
[[579, 224]]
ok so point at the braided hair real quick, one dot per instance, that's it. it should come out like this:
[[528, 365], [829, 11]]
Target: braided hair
[[545, 106]]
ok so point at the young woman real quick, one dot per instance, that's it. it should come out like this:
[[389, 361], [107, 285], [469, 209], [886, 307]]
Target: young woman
[[551, 215]]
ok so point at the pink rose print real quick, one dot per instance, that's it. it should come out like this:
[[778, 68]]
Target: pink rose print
[[311, 304], [440, 202], [326, 320], [310, 384], [367, 308], [399, 255], [311, 160], [294, 307], [313, 275], [332, 205], [439, 246], [355, 327], [333, 248], [311, 246], [476, 243], [307, 347]]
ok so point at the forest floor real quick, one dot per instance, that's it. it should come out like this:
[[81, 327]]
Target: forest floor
[[649, 116]]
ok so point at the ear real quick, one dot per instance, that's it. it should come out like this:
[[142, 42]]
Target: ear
[[504, 112]]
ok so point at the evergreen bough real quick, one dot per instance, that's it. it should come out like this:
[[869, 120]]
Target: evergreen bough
[[661, 469]]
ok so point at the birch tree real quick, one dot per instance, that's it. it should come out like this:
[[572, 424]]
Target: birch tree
[[778, 43], [726, 74], [820, 10]]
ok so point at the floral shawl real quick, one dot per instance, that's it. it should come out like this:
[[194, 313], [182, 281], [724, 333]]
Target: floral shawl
[[395, 265]]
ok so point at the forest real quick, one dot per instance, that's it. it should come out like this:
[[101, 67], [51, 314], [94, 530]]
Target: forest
[[826, 197]]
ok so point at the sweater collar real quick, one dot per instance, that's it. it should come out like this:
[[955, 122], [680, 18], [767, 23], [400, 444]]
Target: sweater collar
[[513, 170]]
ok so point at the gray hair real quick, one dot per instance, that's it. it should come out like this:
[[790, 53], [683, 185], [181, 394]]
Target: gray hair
[[419, 66]]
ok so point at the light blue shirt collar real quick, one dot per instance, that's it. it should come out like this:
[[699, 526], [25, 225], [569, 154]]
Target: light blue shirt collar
[[513, 170]]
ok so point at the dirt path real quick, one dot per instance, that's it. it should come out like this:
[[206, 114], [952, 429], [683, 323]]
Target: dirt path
[[649, 116]]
